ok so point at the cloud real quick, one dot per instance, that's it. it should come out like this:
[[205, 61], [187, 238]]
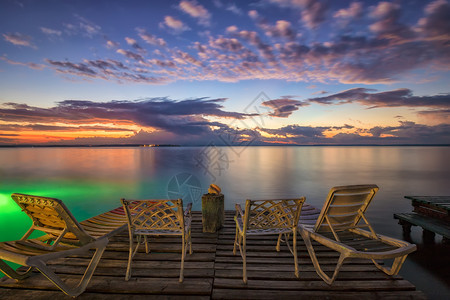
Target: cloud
[[29, 64], [51, 32], [388, 25], [284, 107], [19, 39], [196, 11], [395, 98], [83, 27], [162, 120], [405, 133], [72, 68], [111, 44], [436, 23], [313, 12], [133, 43], [410, 132], [44, 127], [175, 25], [234, 9], [151, 39], [178, 117], [282, 28], [353, 12], [130, 54], [384, 50], [438, 116]]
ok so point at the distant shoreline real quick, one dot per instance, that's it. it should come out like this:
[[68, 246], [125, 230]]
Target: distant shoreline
[[273, 145]]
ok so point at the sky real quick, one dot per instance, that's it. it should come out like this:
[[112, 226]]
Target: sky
[[191, 72]]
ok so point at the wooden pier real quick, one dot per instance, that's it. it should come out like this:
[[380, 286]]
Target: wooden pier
[[432, 213], [212, 272]]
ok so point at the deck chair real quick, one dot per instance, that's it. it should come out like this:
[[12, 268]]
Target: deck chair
[[267, 217], [64, 237], [155, 218], [339, 227]]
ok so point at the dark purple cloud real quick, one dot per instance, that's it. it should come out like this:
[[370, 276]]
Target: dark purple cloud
[[180, 117], [436, 22], [41, 127], [395, 98], [388, 25], [405, 133], [283, 107], [72, 68]]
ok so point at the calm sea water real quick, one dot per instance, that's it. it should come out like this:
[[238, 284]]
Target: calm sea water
[[92, 180]]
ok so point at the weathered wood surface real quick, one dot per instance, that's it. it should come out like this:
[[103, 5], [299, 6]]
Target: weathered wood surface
[[439, 201], [213, 272], [428, 223], [213, 213]]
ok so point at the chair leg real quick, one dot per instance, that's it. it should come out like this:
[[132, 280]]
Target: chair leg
[[190, 241], [395, 268], [183, 254], [244, 260], [294, 238], [147, 249], [79, 289], [235, 241], [13, 274], [131, 255], [315, 261], [279, 242]]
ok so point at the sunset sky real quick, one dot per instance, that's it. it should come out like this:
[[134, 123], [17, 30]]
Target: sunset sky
[[196, 72]]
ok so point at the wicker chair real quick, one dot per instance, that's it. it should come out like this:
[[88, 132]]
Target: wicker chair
[[267, 217], [338, 227], [154, 218], [64, 236]]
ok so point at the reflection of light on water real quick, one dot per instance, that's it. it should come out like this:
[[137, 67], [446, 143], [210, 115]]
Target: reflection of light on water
[[4, 200]]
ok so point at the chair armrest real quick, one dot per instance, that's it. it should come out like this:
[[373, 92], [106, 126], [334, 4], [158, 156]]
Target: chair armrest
[[239, 211]]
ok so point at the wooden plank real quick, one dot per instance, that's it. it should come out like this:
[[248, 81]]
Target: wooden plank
[[147, 264], [219, 293], [431, 224], [290, 268], [300, 285], [440, 201], [285, 260], [309, 274], [122, 255], [14, 294], [136, 272], [117, 285]]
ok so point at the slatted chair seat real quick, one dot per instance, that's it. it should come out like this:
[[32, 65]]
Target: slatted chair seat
[[157, 217], [267, 217], [339, 227], [64, 237]]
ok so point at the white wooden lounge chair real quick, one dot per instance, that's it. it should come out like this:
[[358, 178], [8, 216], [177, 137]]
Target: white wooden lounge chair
[[267, 217], [155, 218], [339, 227], [64, 236]]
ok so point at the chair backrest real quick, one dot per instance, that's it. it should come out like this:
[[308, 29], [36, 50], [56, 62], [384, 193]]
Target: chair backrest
[[51, 216], [152, 214], [344, 207], [272, 214]]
